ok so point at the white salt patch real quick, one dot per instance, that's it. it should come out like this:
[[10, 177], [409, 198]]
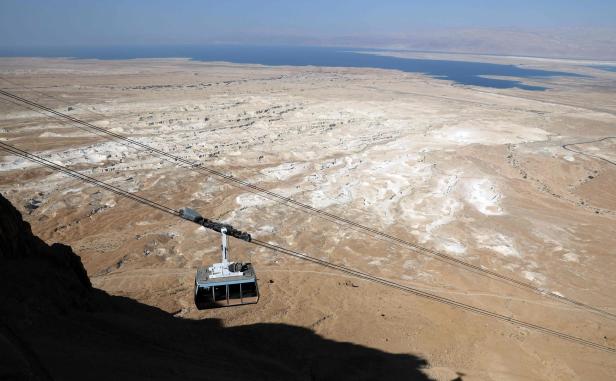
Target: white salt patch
[[488, 131], [71, 190], [18, 163], [283, 171], [95, 158], [453, 246], [511, 266], [409, 264], [50, 135], [431, 209], [377, 261], [250, 200], [507, 251], [155, 182], [265, 230], [321, 200], [482, 194], [571, 257], [462, 136], [446, 185], [449, 207], [498, 243], [533, 276]]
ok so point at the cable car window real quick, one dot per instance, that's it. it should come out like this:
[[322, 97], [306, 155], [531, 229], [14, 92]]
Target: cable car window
[[220, 293], [235, 296], [249, 290], [205, 295], [234, 291]]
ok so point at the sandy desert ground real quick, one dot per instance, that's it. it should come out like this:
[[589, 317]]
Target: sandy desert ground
[[520, 183]]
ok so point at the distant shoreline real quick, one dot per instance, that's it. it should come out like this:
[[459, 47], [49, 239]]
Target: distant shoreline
[[462, 72]]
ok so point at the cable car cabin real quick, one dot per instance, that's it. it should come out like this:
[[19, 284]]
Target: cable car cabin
[[226, 283], [220, 286]]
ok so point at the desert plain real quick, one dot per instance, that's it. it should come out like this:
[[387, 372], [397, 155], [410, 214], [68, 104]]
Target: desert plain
[[521, 183]]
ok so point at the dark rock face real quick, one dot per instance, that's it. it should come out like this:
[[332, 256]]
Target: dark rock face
[[36, 278], [16, 239], [54, 325], [18, 242]]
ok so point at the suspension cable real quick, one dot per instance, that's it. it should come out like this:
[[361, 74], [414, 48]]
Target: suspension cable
[[336, 219], [320, 262]]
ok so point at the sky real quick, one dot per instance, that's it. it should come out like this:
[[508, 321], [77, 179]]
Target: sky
[[362, 22]]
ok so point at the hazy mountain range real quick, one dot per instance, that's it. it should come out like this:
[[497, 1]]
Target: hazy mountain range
[[580, 42]]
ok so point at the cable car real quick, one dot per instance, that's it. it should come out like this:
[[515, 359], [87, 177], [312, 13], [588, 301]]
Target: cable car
[[226, 283]]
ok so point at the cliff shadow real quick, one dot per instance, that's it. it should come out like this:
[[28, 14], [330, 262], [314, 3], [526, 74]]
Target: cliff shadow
[[124, 339], [55, 325]]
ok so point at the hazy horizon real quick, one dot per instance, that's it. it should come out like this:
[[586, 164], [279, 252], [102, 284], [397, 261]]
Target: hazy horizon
[[565, 29]]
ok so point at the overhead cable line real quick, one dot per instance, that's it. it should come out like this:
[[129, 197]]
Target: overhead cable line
[[88, 179], [303, 207], [305, 257], [580, 152]]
